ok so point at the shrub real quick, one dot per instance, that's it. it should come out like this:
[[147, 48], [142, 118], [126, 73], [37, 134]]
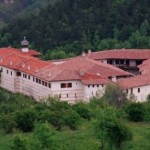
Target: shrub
[[44, 136], [110, 130], [114, 95], [135, 111], [19, 143], [83, 110], [8, 123], [57, 119], [71, 119], [25, 120]]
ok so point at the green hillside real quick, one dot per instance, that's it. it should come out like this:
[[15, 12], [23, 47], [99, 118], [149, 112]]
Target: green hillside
[[55, 125], [10, 11], [68, 27]]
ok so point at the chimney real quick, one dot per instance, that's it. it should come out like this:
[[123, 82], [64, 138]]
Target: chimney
[[83, 54], [89, 51], [24, 45]]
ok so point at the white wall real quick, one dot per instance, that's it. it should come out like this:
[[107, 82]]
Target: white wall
[[18, 84], [142, 95], [93, 90], [32, 88], [70, 94], [7, 79]]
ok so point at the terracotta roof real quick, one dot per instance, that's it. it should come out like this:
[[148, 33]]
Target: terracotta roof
[[145, 67], [79, 68], [18, 51], [136, 81], [13, 59], [94, 79], [120, 54], [57, 73], [92, 66]]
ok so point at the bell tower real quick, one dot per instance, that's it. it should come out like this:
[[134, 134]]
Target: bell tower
[[24, 45]]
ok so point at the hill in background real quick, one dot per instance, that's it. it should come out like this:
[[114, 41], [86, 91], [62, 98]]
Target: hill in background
[[11, 9], [65, 28]]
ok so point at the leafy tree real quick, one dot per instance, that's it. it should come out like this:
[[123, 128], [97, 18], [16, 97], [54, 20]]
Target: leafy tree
[[7, 122], [111, 131], [71, 119], [83, 110], [135, 111], [25, 120], [44, 136], [114, 95]]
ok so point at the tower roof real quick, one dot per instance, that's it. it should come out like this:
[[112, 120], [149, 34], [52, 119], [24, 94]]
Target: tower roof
[[24, 42]]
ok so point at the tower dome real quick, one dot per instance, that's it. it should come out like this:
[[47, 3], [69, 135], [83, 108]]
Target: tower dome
[[24, 45]]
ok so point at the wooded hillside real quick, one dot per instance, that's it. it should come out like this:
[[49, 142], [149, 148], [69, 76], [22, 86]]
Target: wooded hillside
[[70, 26]]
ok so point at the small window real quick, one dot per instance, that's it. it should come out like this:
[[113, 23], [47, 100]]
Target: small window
[[131, 91], [49, 85], [18, 74], [138, 90], [25, 75], [33, 79], [97, 85], [122, 62], [88, 86], [29, 77], [127, 91], [42, 82], [102, 85], [117, 61], [11, 73], [39, 81], [7, 72], [93, 85], [66, 85], [46, 84]]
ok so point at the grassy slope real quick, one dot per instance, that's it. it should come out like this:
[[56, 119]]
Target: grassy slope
[[83, 138]]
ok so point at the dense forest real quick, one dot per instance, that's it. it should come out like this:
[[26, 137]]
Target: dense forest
[[68, 27], [11, 9]]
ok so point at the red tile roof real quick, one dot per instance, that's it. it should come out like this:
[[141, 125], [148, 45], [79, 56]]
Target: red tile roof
[[17, 60], [120, 54], [94, 79], [136, 81], [94, 67], [79, 68], [18, 51], [145, 67]]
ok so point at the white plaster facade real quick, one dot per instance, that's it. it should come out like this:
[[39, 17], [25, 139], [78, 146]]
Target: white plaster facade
[[140, 93], [26, 84]]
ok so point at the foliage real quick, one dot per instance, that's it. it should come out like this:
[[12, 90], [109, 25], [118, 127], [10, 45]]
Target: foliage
[[19, 143], [7, 122], [83, 137], [110, 130], [44, 136], [66, 28], [114, 95], [135, 111], [83, 110], [25, 120], [71, 119]]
